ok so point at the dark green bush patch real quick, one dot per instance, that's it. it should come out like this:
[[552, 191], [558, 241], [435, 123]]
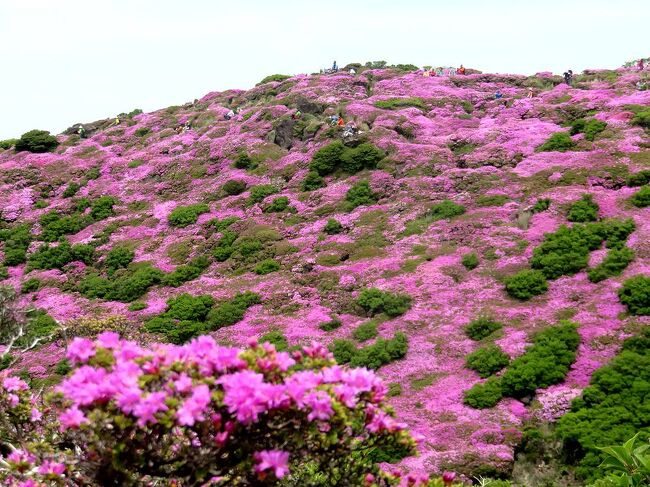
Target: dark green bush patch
[[335, 155], [640, 178], [187, 272], [635, 294], [526, 284], [261, 191], [482, 327], [365, 331], [613, 264], [56, 257], [117, 258], [641, 198], [541, 205], [470, 261], [559, 141], [331, 325], [360, 194], [37, 141], [333, 227], [591, 128], [30, 285], [71, 190], [373, 356], [277, 339], [234, 187], [266, 267], [487, 361], [375, 301], [278, 205], [584, 210], [491, 200], [182, 216], [312, 182]]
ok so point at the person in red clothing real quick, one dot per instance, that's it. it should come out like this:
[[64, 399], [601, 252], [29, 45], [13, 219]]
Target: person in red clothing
[[639, 64], [461, 70], [340, 123]]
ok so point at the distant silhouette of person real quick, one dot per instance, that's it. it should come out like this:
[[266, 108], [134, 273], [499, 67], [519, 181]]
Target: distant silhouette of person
[[639, 64], [498, 95], [461, 70], [530, 93], [335, 68]]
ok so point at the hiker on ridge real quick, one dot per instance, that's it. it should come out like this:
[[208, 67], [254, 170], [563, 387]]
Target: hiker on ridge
[[81, 131], [530, 93], [498, 95], [340, 123], [352, 71], [461, 70], [335, 68], [639, 65], [229, 115]]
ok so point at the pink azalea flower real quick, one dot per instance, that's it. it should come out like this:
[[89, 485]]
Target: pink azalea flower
[[108, 339], [193, 408], [13, 384], [276, 460], [36, 415], [72, 417], [51, 468], [80, 350]]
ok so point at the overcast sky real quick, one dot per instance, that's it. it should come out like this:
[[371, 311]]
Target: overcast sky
[[64, 61]]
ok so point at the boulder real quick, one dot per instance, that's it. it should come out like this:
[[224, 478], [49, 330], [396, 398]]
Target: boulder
[[284, 133]]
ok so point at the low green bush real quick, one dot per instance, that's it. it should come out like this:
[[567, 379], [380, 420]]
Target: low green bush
[[266, 267], [559, 141], [221, 225], [635, 294], [273, 77], [37, 141], [47, 257], [375, 301], [243, 161], [611, 410], [640, 178], [445, 210], [312, 182], [613, 264], [487, 361], [30, 285], [261, 191], [584, 210], [641, 198], [182, 216], [373, 356], [142, 131], [7, 143], [16, 242], [541, 205], [484, 395], [641, 118], [102, 208], [365, 331], [343, 350], [137, 306], [360, 194], [71, 190], [470, 261], [187, 272], [54, 225], [117, 258], [364, 156], [491, 200], [331, 325], [278, 205], [399, 103], [565, 252], [126, 285], [230, 312], [277, 339], [526, 284], [327, 159], [591, 128], [333, 227], [482, 327], [234, 187]]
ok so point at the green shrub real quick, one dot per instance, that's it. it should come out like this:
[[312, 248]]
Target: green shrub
[[183, 319], [541, 205], [277, 339], [117, 258], [274, 77], [364, 156], [63, 367], [332, 227], [584, 210], [615, 232], [482, 327], [487, 361], [230, 312], [135, 163], [544, 363], [30, 285], [526, 284], [187, 272], [16, 241], [142, 131], [71, 190], [343, 350], [559, 141], [613, 264], [182, 216], [399, 103], [41, 204], [126, 286], [278, 205], [470, 261], [375, 301], [93, 173], [365, 331], [640, 178], [234, 187], [591, 128], [55, 225], [327, 159], [4, 273], [266, 267], [642, 119], [331, 325], [137, 306], [485, 395], [360, 194], [382, 352], [312, 182], [611, 410], [8, 143], [491, 200], [445, 210], [47, 257], [188, 307], [635, 294], [39, 325], [37, 141], [102, 208], [261, 191], [221, 225], [243, 161], [641, 198]]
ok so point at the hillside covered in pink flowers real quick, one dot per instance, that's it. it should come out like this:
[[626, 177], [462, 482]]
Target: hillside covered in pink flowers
[[273, 224]]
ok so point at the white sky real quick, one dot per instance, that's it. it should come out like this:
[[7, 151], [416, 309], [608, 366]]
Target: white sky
[[64, 61]]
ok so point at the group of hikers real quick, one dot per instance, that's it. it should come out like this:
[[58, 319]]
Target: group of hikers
[[568, 77], [440, 71], [335, 69], [350, 128]]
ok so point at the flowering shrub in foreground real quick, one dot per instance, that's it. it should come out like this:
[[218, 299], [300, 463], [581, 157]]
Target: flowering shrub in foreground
[[201, 414]]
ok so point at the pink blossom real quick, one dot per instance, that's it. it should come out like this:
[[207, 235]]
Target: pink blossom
[[147, 408], [72, 417], [276, 460], [51, 468], [193, 408], [13, 384], [80, 350]]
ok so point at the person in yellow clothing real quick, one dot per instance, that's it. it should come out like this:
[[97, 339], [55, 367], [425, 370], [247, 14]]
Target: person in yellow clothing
[[117, 120]]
